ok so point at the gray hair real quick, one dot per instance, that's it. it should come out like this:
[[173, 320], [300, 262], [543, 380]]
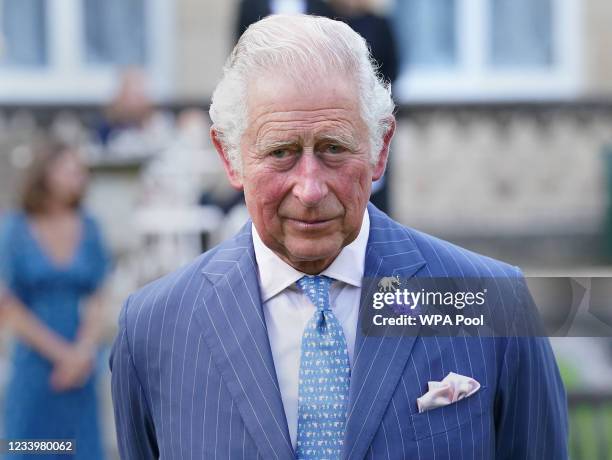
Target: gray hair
[[293, 43]]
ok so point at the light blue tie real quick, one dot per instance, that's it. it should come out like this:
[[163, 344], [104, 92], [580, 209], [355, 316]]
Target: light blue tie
[[324, 378]]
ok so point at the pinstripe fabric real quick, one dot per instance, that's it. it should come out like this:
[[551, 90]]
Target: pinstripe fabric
[[193, 375], [324, 377]]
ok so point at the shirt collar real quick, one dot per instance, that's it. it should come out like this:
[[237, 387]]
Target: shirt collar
[[275, 275]]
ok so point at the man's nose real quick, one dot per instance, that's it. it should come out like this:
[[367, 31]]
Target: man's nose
[[310, 186]]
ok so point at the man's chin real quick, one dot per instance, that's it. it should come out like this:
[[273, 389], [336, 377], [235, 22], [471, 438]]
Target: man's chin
[[314, 252]]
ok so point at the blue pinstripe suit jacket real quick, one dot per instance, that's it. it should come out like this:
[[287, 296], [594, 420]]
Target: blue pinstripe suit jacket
[[193, 375]]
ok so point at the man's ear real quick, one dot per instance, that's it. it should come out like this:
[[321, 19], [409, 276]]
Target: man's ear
[[234, 176], [383, 155]]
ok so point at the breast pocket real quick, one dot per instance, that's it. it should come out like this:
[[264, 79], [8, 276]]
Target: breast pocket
[[450, 417]]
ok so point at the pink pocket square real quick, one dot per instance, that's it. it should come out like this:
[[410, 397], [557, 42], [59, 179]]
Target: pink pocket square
[[451, 389]]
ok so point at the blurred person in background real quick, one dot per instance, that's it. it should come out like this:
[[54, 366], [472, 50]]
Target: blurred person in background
[[363, 18], [52, 264], [130, 108], [250, 11]]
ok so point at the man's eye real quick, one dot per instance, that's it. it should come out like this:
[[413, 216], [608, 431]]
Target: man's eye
[[280, 153], [334, 148]]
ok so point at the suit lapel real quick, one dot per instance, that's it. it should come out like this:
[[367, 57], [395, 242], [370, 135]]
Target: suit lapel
[[379, 361], [234, 328]]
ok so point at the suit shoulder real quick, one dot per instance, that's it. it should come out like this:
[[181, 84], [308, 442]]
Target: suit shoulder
[[447, 258], [160, 300], [442, 257], [162, 296], [505, 283]]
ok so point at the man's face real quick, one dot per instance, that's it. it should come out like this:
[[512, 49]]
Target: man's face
[[307, 172]]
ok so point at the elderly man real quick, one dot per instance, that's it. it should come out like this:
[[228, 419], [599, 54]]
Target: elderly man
[[255, 349]]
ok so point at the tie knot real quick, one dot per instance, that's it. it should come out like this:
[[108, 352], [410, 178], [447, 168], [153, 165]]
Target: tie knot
[[316, 287]]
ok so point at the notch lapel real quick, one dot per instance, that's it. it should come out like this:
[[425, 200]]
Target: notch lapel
[[379, 361], [232, 319]]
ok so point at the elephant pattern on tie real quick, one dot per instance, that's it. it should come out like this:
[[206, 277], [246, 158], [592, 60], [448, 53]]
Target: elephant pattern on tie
[[324, 377]]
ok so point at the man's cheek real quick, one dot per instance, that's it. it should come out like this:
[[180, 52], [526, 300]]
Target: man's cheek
[[270, 185], [355, 193]]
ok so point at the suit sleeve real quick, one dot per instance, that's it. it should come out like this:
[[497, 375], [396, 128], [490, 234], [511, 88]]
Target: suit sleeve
[[531, 404], [134, 425]]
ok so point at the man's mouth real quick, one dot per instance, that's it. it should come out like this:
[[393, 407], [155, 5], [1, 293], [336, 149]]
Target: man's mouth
[[310, 224]]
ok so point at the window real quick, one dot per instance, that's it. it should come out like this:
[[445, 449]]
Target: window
[[71, 50], [487, 49], [23, 33], [521, 34], [428, 32], [115, 32]]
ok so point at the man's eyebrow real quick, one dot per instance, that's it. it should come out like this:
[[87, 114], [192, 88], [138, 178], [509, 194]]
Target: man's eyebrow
[[342, 139], [346, 140], [273, 144]]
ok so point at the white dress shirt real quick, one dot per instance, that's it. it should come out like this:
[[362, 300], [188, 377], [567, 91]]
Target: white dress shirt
[[287, 310]]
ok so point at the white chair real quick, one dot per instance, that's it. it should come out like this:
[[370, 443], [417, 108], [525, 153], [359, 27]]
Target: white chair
[[171, 236]]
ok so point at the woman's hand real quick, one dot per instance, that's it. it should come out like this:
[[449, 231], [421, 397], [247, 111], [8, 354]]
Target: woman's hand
[[73, 369]]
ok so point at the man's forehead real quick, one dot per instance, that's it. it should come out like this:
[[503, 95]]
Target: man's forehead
[[289, 93], [306, 125], [279, 101]]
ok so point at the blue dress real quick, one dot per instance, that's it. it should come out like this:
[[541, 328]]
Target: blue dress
[[33, 410]]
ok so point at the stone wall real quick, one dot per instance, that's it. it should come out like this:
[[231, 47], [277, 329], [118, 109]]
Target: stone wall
[[524, 184], [465, 170], [489, 171]]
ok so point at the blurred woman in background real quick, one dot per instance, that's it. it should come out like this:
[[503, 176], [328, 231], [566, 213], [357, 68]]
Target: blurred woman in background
[[52, 264], [363, 17]]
